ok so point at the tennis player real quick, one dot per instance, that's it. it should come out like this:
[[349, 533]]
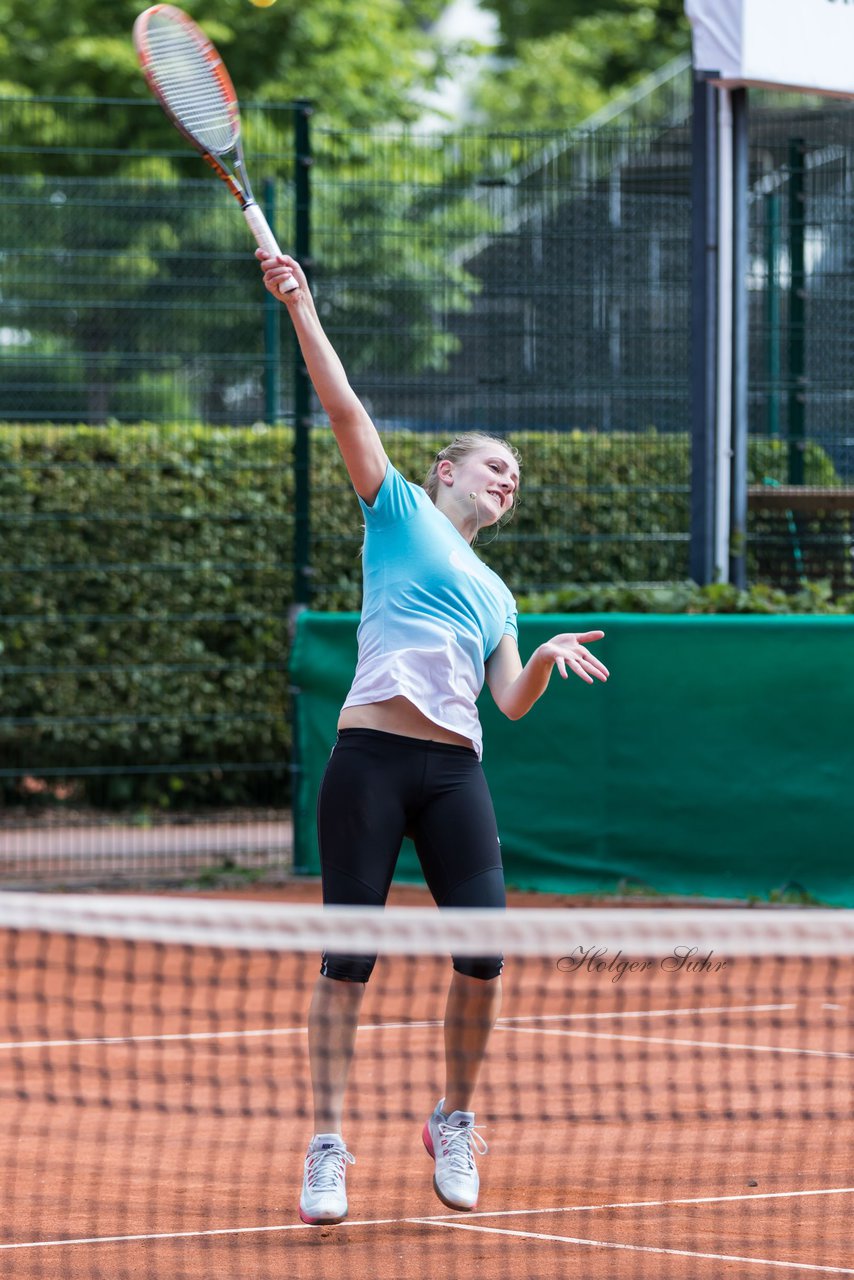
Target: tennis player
[[435, 622]]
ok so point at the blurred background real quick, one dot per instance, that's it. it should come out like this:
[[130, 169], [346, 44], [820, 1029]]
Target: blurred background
[[494, 204]]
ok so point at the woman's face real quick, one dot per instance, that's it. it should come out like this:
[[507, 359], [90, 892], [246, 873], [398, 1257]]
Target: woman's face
[[489, 478]]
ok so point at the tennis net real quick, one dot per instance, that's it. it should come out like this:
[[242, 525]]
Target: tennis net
[[666, 1093]]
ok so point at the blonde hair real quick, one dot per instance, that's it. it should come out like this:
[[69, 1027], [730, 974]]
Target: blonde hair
[[459, 448]]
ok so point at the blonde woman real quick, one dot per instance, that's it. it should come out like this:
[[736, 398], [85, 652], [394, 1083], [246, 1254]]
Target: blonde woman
[[436, 622]]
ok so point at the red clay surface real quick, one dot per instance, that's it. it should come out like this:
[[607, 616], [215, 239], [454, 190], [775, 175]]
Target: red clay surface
[[676, 1126]]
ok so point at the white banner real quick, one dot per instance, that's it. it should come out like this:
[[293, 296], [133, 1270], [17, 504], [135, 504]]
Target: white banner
[[790, 44]]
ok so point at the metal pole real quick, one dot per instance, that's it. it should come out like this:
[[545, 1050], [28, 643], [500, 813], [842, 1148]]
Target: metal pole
[[724, 389], [772, 258], [302, 452], [272, 325], [302, 382], [704, 267], [797, 310], [740, 324]]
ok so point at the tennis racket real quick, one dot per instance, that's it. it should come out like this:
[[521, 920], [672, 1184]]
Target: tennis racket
[[189, 79]]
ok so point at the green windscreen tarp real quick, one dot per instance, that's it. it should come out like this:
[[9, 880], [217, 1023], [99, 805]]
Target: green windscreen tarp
[[718, 760]]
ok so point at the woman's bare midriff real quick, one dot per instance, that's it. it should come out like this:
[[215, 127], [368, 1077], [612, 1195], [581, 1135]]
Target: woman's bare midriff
[[399, 715]]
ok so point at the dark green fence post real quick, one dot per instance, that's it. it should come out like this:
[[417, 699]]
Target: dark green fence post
[[740, 326], [302, 452], [797, 310], [272, 325], [772, 295], [302, 384]]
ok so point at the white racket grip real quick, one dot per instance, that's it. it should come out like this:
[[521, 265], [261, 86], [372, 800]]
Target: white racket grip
[[260, 228]]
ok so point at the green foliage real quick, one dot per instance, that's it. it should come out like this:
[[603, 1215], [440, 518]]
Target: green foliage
[[689, 598], [793, 894], [592, 508], [535, 19], [148, 579], [115, 238], [568, 59], [145, 621], [383, 231], [364, 62], [139, 261]]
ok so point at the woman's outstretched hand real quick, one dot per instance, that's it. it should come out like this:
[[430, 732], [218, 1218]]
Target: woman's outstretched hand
[[568, 653]]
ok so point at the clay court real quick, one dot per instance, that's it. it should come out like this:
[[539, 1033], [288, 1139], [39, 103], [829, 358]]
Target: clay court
[[668, 1123]]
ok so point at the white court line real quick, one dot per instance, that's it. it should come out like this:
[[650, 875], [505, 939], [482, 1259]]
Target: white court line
[[640, 1248], [690, 1044], [194, 1235], [197, 1035], [656, 1204], [655, 1013], [178, 1036], [162, 1037], [437, 1220]]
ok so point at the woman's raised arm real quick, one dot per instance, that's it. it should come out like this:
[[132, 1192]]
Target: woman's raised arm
[[358, 439]]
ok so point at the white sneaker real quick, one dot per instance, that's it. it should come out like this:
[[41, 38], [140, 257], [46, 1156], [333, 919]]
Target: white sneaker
[[324, 1194], [452, 1141]]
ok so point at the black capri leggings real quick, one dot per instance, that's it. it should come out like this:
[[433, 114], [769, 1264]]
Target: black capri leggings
[[379, 787]]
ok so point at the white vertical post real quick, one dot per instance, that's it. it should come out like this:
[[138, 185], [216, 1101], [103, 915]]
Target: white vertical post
[[723, 416], [740, 345], [704, 301]]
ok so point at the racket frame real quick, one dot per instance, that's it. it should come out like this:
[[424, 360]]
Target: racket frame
[[237, 181]]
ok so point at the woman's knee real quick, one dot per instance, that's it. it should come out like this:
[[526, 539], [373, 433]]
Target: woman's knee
[[347, 968], [485, 968]]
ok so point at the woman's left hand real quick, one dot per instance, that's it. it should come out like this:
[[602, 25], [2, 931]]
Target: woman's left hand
[[568, 651]]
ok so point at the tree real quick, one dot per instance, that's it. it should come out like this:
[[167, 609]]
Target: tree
[[89, 273], [567, 58], [522, 20], [364, 62]]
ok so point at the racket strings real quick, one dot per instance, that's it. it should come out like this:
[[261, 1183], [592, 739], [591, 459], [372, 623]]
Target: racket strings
[[190, 87]]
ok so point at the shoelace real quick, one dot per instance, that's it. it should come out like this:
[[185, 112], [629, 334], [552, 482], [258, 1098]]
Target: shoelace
[[326, 1168], [457, 1146]]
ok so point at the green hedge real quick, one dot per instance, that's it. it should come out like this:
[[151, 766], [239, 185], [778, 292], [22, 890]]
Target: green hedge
[[593, 509], [688, 598], [147, 580], [144, 608]]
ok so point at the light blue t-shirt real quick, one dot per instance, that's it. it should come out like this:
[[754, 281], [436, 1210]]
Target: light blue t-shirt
[[432, 611]]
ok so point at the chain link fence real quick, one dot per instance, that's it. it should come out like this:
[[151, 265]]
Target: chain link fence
[[536, 286], [801, 363]]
